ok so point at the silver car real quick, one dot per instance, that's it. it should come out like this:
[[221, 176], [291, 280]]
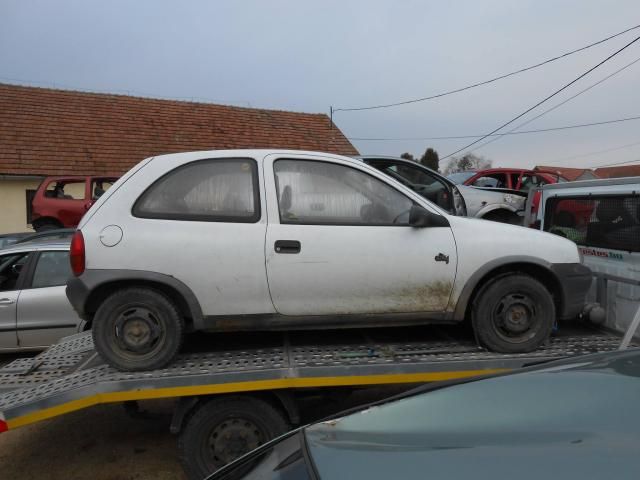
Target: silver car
[[34, 310]]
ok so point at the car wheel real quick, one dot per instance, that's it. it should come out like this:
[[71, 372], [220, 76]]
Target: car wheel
[[43, 227], [137, 329], [223, 429], [513, 314]]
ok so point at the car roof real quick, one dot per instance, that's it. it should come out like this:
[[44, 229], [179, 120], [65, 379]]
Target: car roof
[[37, 245]]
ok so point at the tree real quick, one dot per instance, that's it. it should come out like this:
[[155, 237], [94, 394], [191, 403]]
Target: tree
[[430, 159], [468, 161], [408, 156]]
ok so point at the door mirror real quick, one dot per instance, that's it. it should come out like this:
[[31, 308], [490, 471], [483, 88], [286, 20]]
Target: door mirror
[[17, 268], [421, 217]]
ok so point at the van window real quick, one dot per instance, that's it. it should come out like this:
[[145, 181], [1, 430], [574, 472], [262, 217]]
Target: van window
[[611, 222], [220, 190]]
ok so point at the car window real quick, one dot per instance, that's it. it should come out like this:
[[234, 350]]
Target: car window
[[488, 182], [10, 268], [419, 181], [313, 192], [100, 186], [611, 222], [527, 182], [53, 269], [66, 190], [222, 190]]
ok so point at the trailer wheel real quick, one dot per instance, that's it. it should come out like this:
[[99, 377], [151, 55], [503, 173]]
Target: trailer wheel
[[513, 314], [137, 329], [222, 429]]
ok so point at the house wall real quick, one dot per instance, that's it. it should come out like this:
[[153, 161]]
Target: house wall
[[13, 203]]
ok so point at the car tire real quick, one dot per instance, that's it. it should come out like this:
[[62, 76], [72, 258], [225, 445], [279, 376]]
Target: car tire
[[137, 329], [513, 314], [46, 226], [222, 429]]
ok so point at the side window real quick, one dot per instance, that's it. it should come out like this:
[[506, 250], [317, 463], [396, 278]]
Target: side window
[[99, 186], [52, 270], [487, 182], [314, 192], [611, 222], [73, 190], [527, 182], [224, 190], [10, 268], [419, 181]]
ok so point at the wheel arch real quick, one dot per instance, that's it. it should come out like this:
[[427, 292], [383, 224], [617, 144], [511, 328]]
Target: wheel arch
[[107, 282], [532, 266]]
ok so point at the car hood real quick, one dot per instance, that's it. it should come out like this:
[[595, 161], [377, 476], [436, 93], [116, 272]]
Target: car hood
[[579, 421]]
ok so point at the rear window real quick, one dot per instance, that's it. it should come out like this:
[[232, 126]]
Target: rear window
[[220, 190], [611, 222]]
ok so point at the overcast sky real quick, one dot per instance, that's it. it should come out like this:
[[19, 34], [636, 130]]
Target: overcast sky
[[309, 55]]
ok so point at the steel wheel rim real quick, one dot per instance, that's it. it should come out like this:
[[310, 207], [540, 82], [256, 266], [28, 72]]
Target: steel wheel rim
[[515, 318], [231, 439], [138, 331]]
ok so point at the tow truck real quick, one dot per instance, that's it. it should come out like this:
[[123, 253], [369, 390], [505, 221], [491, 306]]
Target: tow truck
[[262, 377]]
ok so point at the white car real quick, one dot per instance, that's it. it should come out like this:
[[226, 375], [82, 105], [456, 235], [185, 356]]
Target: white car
[[277, 239]]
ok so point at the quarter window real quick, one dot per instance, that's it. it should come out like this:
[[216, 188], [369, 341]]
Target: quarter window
[[224, 190], [52, 270], [312, 192]]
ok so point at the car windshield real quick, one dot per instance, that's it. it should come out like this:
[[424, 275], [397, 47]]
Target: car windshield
[[460, 177]]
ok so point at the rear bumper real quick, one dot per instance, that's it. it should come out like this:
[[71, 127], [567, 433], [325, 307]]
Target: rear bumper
[[77, 293], [575, 280]]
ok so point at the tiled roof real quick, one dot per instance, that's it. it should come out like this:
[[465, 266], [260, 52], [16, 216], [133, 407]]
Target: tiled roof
[[617, 172], [60, 132], [570, 174]]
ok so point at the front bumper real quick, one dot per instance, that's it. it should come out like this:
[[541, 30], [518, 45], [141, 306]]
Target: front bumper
[[575, 280]]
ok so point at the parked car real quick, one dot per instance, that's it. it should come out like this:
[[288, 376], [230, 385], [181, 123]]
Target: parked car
[[7, 239], [60, 234], [516, 179], [34, 310], [62, 201], [574, 419], [269, 239], [500, 205]]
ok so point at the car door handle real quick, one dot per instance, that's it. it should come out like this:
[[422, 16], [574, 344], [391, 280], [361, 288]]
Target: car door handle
[[287, 246], [6, 301]]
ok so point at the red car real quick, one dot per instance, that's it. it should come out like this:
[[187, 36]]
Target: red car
[[62, 201], [516, 179]]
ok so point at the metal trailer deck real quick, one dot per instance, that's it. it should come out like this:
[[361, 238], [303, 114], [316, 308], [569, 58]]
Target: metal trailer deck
[[70, 375]]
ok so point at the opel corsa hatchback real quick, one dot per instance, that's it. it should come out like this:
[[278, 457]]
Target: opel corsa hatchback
[[264, 239]]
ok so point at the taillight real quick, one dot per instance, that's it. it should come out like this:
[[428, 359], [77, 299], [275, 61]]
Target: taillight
[[76, 253]]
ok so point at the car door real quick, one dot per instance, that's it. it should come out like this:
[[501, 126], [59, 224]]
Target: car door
[[338, 242], [44, 315], [11, 276]]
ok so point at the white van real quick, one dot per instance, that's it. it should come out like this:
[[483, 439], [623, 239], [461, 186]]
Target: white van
[[603, 218]]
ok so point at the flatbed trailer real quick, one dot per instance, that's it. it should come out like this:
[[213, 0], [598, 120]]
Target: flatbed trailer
[[264, 371]]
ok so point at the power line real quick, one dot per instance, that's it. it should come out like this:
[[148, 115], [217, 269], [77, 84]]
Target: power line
[[559, 104], [545, 99], [590, 154], [617, 163], [522, 132], [485, 82]]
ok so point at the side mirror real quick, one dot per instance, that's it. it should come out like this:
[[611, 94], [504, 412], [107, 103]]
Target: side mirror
[[421, 217], [17, 268]]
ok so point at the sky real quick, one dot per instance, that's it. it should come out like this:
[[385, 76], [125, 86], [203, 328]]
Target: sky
[[313, 55]]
